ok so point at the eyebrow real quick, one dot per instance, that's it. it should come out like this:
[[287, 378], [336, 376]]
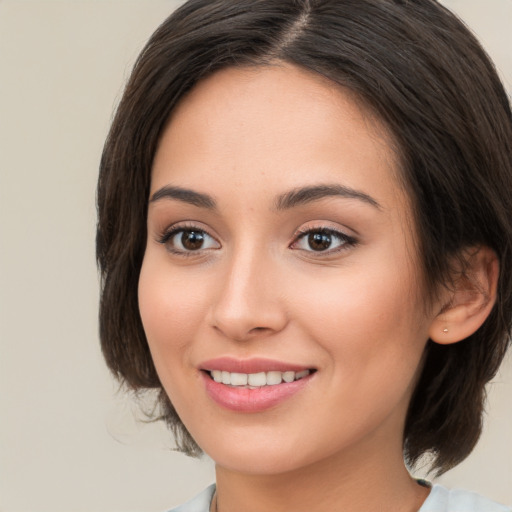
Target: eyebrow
[[185, 195], [286, 201], [304, 195]]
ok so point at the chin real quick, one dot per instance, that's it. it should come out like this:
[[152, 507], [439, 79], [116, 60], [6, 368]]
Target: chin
[[269, 455], [258, 463]]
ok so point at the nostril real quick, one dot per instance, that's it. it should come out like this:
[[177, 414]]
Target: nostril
[[244, 321]]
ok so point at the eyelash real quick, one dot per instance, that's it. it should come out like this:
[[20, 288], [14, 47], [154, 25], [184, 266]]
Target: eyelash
[[168, 235], [346, 241]]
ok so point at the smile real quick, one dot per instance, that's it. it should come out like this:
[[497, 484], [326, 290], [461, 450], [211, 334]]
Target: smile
[[254, 385], [257, 380]]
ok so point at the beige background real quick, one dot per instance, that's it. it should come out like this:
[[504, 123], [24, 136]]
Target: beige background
[[68, 440]]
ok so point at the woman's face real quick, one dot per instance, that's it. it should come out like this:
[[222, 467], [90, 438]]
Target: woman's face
[[281, 262]]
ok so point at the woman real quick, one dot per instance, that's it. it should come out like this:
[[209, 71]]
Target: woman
[[305, 242]]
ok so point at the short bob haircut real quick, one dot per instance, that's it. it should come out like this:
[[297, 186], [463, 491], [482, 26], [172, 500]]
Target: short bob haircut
[[424, 74]]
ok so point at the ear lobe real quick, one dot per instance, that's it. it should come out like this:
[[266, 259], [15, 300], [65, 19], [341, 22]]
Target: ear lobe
[[471, 298]]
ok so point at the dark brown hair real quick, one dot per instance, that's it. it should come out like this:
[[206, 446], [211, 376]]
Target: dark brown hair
[[425, 75]]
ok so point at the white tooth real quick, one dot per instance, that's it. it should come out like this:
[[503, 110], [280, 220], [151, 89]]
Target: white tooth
[[226, 378], [300, 375], [274, 378], [289, 376], [217, 375], [257, 379], [239, 379]]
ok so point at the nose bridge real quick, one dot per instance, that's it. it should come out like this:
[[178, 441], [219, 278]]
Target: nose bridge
[[248, 302]]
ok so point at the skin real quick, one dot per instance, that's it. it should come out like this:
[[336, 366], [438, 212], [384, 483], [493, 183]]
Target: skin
[[255, 288]]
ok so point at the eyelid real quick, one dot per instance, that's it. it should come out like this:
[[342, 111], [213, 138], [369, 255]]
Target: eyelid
[[301, 233], [168, 233], [347, 240]]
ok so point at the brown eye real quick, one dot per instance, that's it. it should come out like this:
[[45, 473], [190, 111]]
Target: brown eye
[[319, 241], [192, 240], [188, 240], [323, 240]]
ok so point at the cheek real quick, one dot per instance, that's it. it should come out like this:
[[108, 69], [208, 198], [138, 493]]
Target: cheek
[[364, 294], [170, 309], [374, 347], [368, 317]]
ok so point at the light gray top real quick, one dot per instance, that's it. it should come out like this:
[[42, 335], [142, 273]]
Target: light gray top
[[440, 499]]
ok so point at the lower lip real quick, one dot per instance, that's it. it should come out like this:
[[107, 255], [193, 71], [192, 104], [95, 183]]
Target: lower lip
[[252, 400]]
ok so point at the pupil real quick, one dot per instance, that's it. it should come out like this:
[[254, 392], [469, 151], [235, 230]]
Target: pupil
[[192, 240], [319, 241]]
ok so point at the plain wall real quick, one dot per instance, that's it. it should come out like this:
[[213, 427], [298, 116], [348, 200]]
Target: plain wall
[[69, 441]]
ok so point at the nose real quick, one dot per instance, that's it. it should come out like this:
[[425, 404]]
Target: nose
[[250, 302]]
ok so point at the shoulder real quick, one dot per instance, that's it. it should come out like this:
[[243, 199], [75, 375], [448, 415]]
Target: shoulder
[[441, 499], [201, 503]]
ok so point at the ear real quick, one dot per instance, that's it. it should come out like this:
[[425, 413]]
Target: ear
[[471, 298]]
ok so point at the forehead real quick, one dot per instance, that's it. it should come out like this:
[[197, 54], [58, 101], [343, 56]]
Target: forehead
[[280, 124]]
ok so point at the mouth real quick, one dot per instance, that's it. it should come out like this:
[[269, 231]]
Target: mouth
[[257, 380], [254, 385]]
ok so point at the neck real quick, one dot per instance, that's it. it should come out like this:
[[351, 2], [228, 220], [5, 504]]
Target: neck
[[378, 481]]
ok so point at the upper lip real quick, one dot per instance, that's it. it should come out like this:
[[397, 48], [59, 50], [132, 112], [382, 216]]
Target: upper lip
[[253, 365]]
